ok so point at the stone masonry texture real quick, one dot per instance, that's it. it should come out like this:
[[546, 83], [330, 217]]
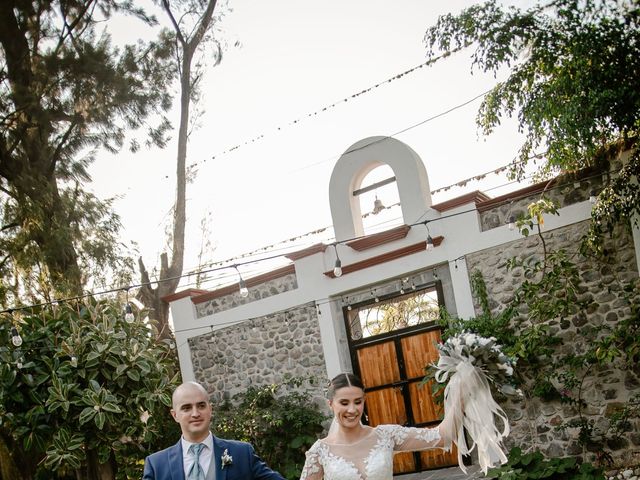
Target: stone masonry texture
[[257, 292], [260, 352], [533, 421]]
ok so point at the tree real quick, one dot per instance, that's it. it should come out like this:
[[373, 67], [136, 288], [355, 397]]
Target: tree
[[573, 83], [66, 91], [192, 22], [86, 394]]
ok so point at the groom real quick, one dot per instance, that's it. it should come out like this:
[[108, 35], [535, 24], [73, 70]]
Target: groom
[[199, 455]]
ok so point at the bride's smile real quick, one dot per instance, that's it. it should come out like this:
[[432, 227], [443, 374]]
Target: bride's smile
[[347, 406]]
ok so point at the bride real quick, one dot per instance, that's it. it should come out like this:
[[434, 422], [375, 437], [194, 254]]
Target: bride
[[353, 451]]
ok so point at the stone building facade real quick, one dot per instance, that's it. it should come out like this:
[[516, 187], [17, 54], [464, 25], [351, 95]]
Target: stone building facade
[[534, 421], [293, 320], [259, 352]]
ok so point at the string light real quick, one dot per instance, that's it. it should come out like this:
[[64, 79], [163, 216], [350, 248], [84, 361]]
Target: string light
[[429, 238], [592, 197], [512, 222], [16, 339], [242, 286], [74, 361], [241, 281], [335, 104], [337, 269], [129, 317]]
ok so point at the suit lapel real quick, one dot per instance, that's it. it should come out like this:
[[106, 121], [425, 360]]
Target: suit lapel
[[175, 462], [219, 447]]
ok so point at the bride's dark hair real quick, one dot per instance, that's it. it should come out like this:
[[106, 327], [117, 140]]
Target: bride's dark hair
[[341, 381]]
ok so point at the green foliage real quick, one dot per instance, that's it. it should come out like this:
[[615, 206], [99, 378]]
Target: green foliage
[[280, 425], [534, 466], [84, 381], [486, 323], [572, 83], [66, 91], [550, 294]]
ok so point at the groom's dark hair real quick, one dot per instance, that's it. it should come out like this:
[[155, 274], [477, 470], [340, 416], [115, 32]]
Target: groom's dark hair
[[341, 381]]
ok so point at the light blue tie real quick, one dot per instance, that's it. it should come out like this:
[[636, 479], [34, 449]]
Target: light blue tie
[[196, 472]]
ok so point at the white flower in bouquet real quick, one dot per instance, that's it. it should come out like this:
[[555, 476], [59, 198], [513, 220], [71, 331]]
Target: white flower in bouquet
[[468, 363], [487, 355]]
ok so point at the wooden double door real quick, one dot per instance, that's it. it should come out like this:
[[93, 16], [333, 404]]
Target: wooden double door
[[392, 366]]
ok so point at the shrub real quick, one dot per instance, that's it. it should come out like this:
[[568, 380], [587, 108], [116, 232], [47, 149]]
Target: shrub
[[280, 420], [533, 465]]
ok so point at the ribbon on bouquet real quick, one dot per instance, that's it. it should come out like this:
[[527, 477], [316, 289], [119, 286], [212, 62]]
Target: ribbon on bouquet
[[468, 405]]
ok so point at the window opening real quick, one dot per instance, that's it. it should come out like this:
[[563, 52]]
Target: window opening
[[396, 313]]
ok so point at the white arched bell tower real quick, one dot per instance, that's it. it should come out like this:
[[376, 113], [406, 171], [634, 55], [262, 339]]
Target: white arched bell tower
[[352, 167]]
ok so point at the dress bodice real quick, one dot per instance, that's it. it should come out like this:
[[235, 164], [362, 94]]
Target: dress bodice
[[371, 458]]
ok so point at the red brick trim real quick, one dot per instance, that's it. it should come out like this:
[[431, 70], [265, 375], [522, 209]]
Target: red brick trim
[[386, 257], [251, 282], [476, 197], [318, 247], [516, 195], [189, 292], [381, 238]]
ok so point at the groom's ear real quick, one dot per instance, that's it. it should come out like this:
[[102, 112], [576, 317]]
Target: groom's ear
[[173, 414]]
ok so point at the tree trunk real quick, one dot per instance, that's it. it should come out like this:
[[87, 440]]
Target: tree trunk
[[99, 471], [8, 468], [170, 273]]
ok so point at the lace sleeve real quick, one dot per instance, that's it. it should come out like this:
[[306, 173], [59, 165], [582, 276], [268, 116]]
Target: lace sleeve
[[312, 469], [411, 438]]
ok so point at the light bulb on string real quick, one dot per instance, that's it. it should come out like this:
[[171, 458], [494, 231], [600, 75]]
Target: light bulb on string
[[429, 237], [337, 269], [592, 197], [74, 361], [512, 223], [244, 291], [129, 317], [242, 286], [16, 339], [19, 364]]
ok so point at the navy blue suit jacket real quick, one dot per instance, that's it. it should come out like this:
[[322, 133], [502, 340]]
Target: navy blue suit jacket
[[167, 464]]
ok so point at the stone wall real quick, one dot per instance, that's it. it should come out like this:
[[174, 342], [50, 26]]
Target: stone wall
[[263, 290], [563, 194], [534, 421], [259, 352]]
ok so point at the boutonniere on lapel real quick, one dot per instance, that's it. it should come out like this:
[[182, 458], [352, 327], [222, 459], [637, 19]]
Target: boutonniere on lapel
[[226, 459]]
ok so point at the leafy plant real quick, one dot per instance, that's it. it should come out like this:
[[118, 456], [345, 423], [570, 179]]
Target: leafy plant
[[280, 420], [534, 466], [84, 390]]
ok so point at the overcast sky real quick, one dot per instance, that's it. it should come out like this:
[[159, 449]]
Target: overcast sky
[[295, 58]]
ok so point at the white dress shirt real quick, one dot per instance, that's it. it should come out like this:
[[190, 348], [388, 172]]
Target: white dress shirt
[[205, 455]]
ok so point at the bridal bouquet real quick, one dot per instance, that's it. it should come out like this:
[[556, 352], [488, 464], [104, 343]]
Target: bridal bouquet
[[468, 362], [483, 353]]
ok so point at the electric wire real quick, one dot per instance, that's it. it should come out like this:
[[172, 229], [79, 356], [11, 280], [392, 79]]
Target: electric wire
[[271, 257]]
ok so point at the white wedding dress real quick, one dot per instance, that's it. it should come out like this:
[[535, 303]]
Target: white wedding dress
[[371, 458]]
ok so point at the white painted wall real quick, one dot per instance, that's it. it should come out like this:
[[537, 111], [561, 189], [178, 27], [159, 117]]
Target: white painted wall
[[462, 236]]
